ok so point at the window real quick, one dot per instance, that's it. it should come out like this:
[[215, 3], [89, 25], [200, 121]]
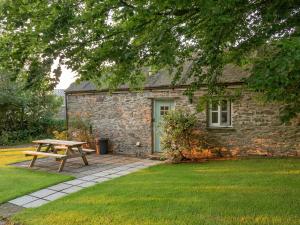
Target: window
[[220, 113], [164, 110]]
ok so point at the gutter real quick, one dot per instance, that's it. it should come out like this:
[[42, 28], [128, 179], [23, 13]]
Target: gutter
[[162, 87]]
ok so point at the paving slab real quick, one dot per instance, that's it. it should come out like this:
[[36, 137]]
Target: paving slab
[[102, 179], [107, 172], [101, 174], [23, 200], [87, 184], [60, 187], [125, 172], [74, 182], [86, 173], [42, 193], [55, 196], [89, 178], [117, 169], [36, 203], [113, 175], [72, 189], [133, 169]]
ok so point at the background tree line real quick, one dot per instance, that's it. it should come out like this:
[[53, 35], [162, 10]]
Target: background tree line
[[26, 113]]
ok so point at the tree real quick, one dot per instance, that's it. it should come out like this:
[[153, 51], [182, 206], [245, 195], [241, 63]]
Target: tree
[[25, 113], [111, 41]]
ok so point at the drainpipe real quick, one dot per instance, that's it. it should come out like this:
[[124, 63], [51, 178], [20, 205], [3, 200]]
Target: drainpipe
[[66, 109]]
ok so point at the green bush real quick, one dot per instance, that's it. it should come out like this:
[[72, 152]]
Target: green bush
[[180, 134], [60, 135], [39, 129], [15, 137], [80, 129], [26, 113]]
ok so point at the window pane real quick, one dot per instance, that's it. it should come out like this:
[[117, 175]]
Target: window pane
[[224, 105], [162, 110], [214, 117], [224, 118], [214, 106]]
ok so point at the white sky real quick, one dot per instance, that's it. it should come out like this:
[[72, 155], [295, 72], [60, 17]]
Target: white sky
[[67, 77]]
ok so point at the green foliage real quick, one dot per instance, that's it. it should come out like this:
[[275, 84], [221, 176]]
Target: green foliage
[[112, 41], [231, 95], [178, 129], [80, 129], [276, 74], [60, 135], [26, 113]]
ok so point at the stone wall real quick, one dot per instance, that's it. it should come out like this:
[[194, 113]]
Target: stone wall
[[126, 118]]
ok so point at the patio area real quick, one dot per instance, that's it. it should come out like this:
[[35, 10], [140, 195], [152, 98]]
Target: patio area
[[97, 164]]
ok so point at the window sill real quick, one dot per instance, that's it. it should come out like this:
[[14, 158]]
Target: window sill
[[220, 129]]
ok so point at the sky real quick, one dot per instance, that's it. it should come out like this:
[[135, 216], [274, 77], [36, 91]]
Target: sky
[[67, 77]]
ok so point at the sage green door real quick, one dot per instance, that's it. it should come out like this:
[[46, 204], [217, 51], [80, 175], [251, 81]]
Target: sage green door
[[161, 108]]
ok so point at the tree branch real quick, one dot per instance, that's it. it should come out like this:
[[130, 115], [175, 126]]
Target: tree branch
[[124, 3]]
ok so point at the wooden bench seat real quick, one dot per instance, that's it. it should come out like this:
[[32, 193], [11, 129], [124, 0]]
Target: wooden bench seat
[[86, 150], [33, 153]]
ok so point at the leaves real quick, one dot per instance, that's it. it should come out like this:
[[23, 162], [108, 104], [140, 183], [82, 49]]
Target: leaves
[[276, 73], [111, 41], [178, 127], [24, 112]]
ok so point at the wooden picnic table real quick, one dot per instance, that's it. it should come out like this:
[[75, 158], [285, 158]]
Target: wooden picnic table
[[72, 149]]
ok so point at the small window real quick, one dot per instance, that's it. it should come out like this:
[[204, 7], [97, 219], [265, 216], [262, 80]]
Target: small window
[[220, 113], [164, 110]]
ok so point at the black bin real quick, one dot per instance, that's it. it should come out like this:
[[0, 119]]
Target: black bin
[[102, 146]]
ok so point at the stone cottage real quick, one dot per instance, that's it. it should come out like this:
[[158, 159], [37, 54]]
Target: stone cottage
[[129, 119]]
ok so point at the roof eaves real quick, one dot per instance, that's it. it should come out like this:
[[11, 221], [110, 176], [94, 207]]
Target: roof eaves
[[163, 87]]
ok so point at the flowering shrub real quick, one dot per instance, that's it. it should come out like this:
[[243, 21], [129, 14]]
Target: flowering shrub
[[180, 134], [80, 129], [60, 135]]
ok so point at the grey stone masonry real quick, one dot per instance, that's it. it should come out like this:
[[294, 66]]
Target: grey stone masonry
[[125, 118]]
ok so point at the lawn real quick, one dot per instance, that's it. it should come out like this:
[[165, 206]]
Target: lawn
[[253, 192], [15, 182]]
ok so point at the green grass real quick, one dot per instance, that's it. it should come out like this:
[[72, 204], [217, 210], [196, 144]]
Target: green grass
[[13, 155], [252, 192], [15, 182]]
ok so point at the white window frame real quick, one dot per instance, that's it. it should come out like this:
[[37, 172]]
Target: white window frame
[[219, 111]]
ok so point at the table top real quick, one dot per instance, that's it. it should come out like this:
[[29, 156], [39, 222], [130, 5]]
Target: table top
[[59, 142]]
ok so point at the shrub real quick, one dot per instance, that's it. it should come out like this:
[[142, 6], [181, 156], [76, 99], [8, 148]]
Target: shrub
[[80, 129], [15, 137], [180, 134], [26, 113], [60, 135]]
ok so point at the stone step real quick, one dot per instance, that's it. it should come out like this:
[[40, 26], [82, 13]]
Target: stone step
[[157, 156]]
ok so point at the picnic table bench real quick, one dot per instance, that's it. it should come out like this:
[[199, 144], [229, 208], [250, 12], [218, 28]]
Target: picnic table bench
[[71, 149], [85, 150]]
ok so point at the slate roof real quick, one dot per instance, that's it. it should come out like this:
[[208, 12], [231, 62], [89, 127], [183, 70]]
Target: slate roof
[[59, 92], [162, 79]]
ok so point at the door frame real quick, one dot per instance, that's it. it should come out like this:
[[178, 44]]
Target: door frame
[[153, 105]]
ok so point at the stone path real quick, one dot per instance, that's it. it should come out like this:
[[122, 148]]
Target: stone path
[[87, 176]]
